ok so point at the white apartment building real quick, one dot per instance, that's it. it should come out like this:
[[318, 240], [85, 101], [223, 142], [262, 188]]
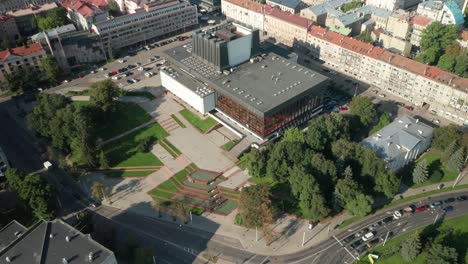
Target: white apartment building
[[157, 21], [393, 5], [443, 93], [446, 12], [249, 13]]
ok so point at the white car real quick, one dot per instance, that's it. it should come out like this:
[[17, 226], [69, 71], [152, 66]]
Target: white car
[[397, 215], [368, 236], [436, 121], [92, 72], [134, 80], [121, 60], [124, 74], [382, 95], [115, 78], [149, 74], [141, 69], [102, 69]]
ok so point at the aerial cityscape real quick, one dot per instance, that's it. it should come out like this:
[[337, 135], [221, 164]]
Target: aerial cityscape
[[233, 131]]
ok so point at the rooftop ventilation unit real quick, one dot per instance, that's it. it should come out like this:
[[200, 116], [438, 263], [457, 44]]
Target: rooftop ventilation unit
[[90, 256], [259, 102], [67, 238], [235, 88], [253, 99], [264, 66], [64, 260], [7, 259]]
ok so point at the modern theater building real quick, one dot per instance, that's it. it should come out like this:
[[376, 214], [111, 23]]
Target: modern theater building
[[226, 71]]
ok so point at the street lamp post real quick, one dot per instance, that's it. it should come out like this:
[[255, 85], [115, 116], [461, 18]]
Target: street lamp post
[[303, 238]]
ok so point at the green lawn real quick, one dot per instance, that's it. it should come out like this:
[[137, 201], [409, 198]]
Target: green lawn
[[124, 118], [77, 93], [202, 124], [170, 148], [227, 207], [181, 175], [182, 125], [349, 221], [228, 146], [168, 186], [81, 103], [160, 193], [460, 242], [124, 151], [128, 173]]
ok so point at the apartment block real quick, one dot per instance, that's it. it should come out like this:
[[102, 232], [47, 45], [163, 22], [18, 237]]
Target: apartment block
[[10, 5], [444, 94], [284, 27], [26, 18], [86, 12], [418, 24], [446, 12], [29, 55], [393, 5], [8, 28], [246, 12], [159, 20], [291, 6]]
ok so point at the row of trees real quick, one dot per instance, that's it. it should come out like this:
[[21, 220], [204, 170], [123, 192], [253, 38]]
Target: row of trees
[[33, 190], [439, 47], [56, 17], [322, 169], [28, 78], [73, 129]]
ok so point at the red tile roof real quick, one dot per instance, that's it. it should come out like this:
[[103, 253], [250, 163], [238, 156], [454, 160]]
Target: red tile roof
[[21, 51], [429, 72], [288, 17], [85, 8], [420, 20], [5, 17], [248, 4]]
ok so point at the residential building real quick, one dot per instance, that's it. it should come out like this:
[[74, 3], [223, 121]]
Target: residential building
[[443, 93], [314, 2], [418, 23], [247, 12], [262, 94], [400, 142], [446, 12], [397, 32], [71, 48], [10, 5], [26, 18], [395, 44], [319, 13], [51, 242], [284, 27], [291, 6], [86, 12], [8, 28], [29, 55], [159, 20], [393, 5], [210, 5]]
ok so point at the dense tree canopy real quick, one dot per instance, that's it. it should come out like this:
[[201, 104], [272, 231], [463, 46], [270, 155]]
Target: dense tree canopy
[[21, 79], [103, 94], [444, 136], [410, 248], [51, 69], [363, 108], [255, 206], [55, 18], [255, 162]]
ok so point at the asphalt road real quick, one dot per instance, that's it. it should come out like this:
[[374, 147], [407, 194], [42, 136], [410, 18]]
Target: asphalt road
[[181, 245]]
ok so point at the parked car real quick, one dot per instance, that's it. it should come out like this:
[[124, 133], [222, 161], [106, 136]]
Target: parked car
[[422, 208], [449, 200], [409, 107], [121, 61], [115, 78], [349, 238], [436, 121], [102, 69], [373, 242], [92, 72], [141, 69], [333, 73], [382, 95], [400, 104], [149, 74], [363, 231], [356, 243], [368, 236], [462, 198], [362, 249], [387, 220], [435, 204], [448, 209]]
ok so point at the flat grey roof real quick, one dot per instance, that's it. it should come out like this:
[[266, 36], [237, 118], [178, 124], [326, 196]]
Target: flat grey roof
[[262, 86], [10, 233], [288, 3], [45, 243], [188, 81]]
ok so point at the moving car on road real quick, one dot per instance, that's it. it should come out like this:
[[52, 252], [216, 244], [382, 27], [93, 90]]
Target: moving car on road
[[349, 238], [448, 209], [462, 198], [422, 208], [368, 236], [449, 200], [435, 204]]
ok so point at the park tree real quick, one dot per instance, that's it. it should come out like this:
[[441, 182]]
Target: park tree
[[360, 204], [62, 127], [444, 136], [440, 254], [21, 79], [255, 162], [282, 156], [255, 206], [99, 191], [453, 49], [311, 200], [435, 39], [363, 108], [366, 36], [294, 135], [113, 7], [51, 69], [420, 173], [55, 18], [181, 211], [103, 162], [386, 182], [461, 64], [384, 120], [103, 93], [325, 129], [46, 110], [410, 248], [448, 152], [346, 188], [457, 160], [447, 62]]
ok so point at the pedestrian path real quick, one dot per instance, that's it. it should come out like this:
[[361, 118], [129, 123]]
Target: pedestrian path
[[169, 124]]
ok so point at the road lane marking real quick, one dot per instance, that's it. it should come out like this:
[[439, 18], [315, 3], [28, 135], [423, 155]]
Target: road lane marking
[[247, 261], [337, 240]]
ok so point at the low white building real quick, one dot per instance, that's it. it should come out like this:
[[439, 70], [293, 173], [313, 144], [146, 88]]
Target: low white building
[[196, 94], [401, 142]]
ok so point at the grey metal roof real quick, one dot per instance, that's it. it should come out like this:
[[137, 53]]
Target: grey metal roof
[[372, 10], [53, 33], [261, 87], [399, 137], [10, 233], [45, 242], [188, 81], [288, 3]]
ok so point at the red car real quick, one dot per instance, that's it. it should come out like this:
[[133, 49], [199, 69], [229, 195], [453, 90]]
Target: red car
[[408, 107], [422, 208], [343, 108]]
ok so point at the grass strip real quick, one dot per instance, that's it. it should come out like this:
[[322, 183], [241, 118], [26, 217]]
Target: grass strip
[[182, 125], [229, 145], [129, 174], [201, 124]]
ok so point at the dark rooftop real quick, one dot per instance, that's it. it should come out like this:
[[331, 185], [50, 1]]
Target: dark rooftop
[[10, 233], [262, 86], [52, 242]]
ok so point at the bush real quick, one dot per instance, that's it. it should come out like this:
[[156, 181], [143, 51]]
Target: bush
[[239, 220], [436, 176], [389, 251], [146, 144]]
